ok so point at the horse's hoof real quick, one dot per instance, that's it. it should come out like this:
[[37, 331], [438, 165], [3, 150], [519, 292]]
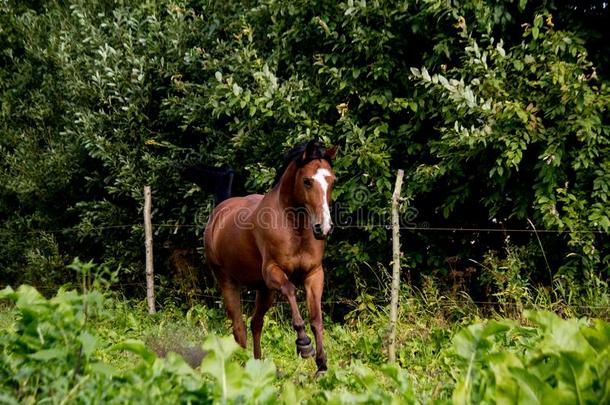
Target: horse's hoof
[[305, 349], [320, 373]]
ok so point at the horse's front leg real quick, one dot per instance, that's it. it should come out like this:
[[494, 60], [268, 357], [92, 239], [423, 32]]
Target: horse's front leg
[[276, 279], [314, 284]]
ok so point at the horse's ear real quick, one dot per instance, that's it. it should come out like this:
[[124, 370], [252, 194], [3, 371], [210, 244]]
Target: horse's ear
[[331, 153], [310, 149]]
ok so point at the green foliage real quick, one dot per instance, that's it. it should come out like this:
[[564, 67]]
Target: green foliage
[[53, 352], [49, 346], [551, 360], [87, 348], [495, 110], [530, 111]]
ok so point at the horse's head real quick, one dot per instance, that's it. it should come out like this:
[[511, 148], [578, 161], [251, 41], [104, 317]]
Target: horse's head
[[313, 185]]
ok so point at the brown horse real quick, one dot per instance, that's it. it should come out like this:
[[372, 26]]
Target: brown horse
[[270, 242]]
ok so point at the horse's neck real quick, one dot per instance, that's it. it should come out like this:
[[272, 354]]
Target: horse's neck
[[285, 189], [285, 201]]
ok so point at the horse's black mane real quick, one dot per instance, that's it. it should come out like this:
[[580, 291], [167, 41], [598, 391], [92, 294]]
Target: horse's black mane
[[315, 150]]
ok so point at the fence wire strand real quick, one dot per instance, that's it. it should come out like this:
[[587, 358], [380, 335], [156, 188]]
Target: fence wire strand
[[351, 302], [443, 301], [89, 229]]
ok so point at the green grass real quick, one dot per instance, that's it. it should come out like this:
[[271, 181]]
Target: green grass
[[422, 340]]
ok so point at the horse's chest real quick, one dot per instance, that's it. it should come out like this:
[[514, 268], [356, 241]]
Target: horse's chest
[[293, 254], [300, 262], [295, 261]]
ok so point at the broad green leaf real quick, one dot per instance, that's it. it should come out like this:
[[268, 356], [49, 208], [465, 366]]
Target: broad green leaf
[[505, 390], [260, 371], [560, 334], [461, 392], [575, 375], [216, 363], [522, 4], [103, 368], [258, 380], [530, 389], [8, 293], [543, 365], [598, 336], [224, 346], [29, 298], [88, 342], [398, 375], [289, 394], [465, 342], [48, 354], [476, 337], [8, 399], [425, 75]]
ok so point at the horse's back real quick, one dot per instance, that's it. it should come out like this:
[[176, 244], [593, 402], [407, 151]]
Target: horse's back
[[230, 246]]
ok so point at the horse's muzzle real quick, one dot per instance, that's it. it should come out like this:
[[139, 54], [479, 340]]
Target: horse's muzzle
[[319, 234]]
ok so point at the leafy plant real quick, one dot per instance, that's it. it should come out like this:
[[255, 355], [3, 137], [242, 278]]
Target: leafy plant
[[565, 361], [52, 352], [50, 349]]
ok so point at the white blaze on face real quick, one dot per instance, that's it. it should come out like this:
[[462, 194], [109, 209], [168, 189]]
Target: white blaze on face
[[320, 177]]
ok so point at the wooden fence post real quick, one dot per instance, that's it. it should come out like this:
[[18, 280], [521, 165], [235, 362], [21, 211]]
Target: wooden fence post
[[148, 243], [395, 267]]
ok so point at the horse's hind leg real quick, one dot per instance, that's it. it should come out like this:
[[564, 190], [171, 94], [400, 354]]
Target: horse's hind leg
[[230, 295], [264, 301]]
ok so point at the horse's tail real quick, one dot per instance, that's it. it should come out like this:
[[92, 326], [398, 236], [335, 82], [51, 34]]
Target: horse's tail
[[216, 180]]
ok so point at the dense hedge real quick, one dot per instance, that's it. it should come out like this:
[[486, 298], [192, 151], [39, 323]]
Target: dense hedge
[[494, 109]]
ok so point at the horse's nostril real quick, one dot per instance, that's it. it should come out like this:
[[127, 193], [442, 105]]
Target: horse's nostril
[[317, 228]]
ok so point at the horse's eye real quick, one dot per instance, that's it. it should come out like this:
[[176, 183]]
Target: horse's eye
[[308, 182]]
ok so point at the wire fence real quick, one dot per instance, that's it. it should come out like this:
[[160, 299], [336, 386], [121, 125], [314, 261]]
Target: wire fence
[[441, 301], [342, 301], [419, 228]]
